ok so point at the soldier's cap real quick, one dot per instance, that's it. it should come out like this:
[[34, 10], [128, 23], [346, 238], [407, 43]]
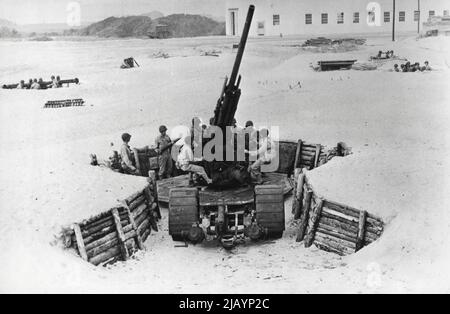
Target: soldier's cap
[[126, 137], [162, 128]]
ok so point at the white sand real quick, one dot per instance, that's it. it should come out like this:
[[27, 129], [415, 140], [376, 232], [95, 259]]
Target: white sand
[[396, 123]]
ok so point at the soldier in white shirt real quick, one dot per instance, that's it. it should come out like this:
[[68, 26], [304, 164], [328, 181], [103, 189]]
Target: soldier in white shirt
[[186, 156], [264, 154]]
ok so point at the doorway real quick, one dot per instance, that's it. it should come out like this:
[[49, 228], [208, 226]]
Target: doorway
[[234, 21], [261, 28]]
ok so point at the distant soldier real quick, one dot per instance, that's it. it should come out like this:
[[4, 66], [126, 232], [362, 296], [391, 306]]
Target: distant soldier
[[126, 155], [35, 84], [340, 150], [30, 83], [21, 85], [54, 83], [129, 63], [58, 81], [163, 143], [417, 66], [42, 84], [427, 66], [396, 69], [407, 67]]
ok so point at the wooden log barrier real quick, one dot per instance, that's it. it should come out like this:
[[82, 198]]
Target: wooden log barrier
[[299, 196], [298, 192], [115, 234], [329, 244], [111, 242], [298, 154], [153, 194], [80, 242], [113, 253], [317, 155], [297, 173], [137, 202], [120, 234], [361, 231], [138, 238], [305, 215], [332, 226], [313, 223]]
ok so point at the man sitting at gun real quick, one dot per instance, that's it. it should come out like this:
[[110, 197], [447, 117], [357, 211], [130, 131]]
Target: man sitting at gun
[[264, 155], [185, 159]]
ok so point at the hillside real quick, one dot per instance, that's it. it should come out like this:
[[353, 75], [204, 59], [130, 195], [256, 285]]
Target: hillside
[[130, 26], [6, 23], [185, 25], [178, 25], [6, 32]]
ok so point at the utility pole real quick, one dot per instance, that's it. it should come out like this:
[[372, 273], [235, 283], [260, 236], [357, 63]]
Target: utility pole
[[418, 18], [393, 21]]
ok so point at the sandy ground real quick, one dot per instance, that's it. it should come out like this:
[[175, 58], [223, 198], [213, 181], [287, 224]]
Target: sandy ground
[[396, 123]]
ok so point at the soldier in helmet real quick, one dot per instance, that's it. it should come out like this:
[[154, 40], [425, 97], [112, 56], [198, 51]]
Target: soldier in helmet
[[163, 143]]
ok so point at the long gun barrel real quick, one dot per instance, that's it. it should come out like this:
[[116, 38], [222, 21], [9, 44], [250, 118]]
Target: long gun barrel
[[242, 44], [229, 98]]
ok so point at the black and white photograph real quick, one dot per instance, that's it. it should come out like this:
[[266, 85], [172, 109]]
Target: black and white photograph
[[224, 147]]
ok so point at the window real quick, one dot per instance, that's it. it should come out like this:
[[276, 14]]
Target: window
[[308, 18], [401, 16], [340, 18], [431, 13], [355, 17], [276, 19], [324, 18], [387, 17], [446, 13], [416, 16]]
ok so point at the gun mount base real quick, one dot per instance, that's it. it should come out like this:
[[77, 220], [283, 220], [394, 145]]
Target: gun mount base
[[228, 216]]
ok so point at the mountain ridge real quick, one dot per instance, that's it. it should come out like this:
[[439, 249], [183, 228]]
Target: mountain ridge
[[177, 25]]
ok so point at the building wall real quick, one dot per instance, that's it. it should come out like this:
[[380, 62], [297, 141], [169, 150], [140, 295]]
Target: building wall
[[292, 16]]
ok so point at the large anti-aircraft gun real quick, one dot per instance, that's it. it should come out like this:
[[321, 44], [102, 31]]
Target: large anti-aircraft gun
[[230, 173], [229, 99], [229, 210]]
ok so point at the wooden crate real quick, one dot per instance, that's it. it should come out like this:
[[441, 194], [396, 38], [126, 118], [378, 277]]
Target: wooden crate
[[299, 154], [64, 103]]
